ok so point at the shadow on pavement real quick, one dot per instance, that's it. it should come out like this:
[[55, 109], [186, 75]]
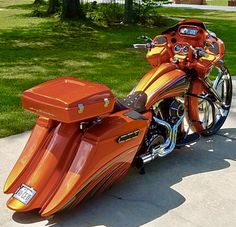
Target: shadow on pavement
[[142, 198]]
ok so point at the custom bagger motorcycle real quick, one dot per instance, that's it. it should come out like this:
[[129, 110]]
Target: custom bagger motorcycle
[[85, 139]]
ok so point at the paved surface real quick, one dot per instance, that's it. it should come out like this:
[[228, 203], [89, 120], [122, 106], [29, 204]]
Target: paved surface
[[194, 186], [204, 7]]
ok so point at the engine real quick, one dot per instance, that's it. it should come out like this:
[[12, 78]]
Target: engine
[[162, 134], [170, 110]]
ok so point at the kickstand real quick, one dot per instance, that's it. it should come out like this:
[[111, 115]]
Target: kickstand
[[142, 171]]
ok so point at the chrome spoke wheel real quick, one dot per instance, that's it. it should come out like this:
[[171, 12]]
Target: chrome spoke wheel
[[214, 112]]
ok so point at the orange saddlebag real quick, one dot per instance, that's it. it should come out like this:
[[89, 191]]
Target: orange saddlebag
[[69, 100]]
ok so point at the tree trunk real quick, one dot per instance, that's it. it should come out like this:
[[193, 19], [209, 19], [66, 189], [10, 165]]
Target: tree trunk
[[128, 17], [38, 2], [71, 9], [53, 6]]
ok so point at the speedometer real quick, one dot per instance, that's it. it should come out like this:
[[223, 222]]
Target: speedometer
[[188, 31], [185, 49], [177, 48]]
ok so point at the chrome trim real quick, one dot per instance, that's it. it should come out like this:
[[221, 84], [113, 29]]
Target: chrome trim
[[168, 146], [210, 86], [106, 102], [80, 108], [128, 136]]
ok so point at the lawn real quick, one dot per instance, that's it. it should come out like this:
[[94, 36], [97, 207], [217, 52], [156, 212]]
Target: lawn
[[217, 2], [33, 50]]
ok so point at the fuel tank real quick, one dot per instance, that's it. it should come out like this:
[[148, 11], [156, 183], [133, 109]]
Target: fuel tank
[[162, 82], [62, 165]]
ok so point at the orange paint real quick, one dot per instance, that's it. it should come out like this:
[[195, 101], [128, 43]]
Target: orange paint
[[81, 144]]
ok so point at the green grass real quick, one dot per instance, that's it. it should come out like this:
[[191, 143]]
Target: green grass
[[33, 50], [217, 2]]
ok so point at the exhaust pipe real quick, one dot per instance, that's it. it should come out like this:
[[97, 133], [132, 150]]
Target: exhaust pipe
[[168, 146]]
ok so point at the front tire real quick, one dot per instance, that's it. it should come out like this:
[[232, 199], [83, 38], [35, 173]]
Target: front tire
[[213, 117]]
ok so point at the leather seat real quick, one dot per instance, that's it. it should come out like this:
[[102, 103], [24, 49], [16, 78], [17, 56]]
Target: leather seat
[[135, 101]]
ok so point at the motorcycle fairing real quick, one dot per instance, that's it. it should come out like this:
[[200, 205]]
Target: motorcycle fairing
[[162, 82], [158, 55], [185, 22], [71, 164]]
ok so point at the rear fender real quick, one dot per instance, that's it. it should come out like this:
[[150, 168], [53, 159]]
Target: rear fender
[[40, 136], [106, 147], [44, 172], [67, 165]]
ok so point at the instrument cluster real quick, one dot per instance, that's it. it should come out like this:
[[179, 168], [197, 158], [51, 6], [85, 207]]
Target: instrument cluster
[[181, 49], [188, 31]]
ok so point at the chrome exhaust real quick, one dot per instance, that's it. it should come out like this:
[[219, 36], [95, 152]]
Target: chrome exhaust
[[168, 146]]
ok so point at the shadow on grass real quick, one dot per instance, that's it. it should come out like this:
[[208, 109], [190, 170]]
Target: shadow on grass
[[50, 49], [140, 199], [30, 56]]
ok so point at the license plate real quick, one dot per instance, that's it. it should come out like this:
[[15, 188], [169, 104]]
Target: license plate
[[24, 194]]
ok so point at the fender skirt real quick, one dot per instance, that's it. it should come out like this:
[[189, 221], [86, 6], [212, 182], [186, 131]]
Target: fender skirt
[[64, 165]]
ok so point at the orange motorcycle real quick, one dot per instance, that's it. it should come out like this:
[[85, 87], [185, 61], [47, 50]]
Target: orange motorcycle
[[85, 139]]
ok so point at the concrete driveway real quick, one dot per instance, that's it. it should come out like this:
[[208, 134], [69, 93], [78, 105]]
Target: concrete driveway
[[194, 186], [202, 7]]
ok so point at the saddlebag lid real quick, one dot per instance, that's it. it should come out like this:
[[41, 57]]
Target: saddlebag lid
[[68, 99]]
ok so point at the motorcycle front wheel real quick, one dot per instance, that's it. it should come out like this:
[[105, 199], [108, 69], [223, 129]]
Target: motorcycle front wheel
[[214, 112]]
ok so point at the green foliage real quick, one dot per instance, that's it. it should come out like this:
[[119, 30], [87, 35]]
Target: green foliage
[[108, 13], [146, 12]]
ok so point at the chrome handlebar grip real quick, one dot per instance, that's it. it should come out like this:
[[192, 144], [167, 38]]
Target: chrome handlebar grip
[[140, 46]]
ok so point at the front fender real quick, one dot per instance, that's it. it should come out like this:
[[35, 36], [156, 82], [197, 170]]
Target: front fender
[[191, 105]]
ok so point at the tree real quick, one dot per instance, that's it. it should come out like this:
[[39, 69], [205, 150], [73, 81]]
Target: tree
[[53, 6], [71, 9], [128, 17]]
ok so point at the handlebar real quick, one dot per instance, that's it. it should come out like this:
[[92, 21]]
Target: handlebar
[[141, 46], [144, 46], [200, 52], [147, 45], [197, 51]]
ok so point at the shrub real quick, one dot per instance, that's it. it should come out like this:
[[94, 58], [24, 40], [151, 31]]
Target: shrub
[[104, 12], [146, 12]]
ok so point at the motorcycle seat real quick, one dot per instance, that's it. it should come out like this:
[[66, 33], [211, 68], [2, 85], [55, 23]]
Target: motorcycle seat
[[135, 101]]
